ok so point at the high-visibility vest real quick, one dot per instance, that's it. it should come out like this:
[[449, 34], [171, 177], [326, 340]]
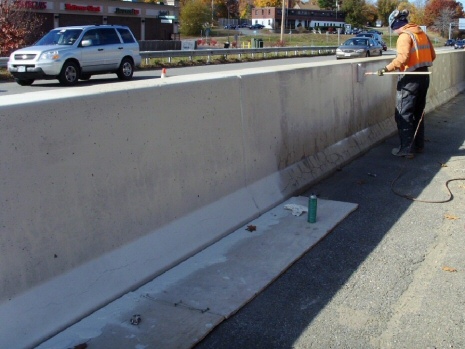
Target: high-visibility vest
[[420, 53]]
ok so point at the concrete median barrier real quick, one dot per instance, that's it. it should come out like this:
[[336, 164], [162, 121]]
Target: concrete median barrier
[[105, 187]]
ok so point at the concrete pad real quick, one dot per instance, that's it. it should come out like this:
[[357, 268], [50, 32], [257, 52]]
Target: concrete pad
[[183, 305]]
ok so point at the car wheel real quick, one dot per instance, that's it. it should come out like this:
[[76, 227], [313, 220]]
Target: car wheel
[[368, 54], [85, 76], [24, 82], [126, 69], [69, 74]]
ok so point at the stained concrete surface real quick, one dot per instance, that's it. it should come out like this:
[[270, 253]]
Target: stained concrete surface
[[392, 274], [180, 307]]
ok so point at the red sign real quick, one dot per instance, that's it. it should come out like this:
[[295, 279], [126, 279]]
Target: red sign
[[90, 8], [35, 5]]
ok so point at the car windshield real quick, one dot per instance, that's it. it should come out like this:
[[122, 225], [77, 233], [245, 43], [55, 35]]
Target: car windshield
[[60, 37], [356, 42]]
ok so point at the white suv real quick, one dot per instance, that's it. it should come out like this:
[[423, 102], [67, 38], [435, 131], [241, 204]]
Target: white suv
[[72, 53]]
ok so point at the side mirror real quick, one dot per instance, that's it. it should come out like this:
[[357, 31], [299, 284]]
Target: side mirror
[[86, 43]]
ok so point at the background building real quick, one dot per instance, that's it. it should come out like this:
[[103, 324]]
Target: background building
[[147, 21], [271, 17]]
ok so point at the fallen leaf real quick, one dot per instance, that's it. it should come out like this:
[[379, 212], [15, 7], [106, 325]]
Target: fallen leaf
[[251, 228], [449, 269], [451, 217]]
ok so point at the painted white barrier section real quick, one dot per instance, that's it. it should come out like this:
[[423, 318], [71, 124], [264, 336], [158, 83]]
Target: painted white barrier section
[[104, 187]]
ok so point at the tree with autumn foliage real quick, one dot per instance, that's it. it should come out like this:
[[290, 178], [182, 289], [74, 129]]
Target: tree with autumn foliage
[[437, 8], [371, 13], [245, 9], [385, 7], [268, 3], [417, 11], [328, 4], [226, 9], [195, 16], [355, 12], [20, 27]]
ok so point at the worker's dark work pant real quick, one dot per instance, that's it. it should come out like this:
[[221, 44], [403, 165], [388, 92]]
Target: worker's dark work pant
[[410, 104]]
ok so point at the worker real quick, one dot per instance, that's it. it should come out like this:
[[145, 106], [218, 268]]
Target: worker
[[415, 53]]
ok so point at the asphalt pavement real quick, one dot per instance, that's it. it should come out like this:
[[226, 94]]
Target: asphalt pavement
[[391, 274]]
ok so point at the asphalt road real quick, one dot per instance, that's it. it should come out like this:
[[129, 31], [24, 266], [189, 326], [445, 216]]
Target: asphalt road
[[8, 88]]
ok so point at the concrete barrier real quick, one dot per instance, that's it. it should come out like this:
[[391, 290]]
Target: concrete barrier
[[105, 187]]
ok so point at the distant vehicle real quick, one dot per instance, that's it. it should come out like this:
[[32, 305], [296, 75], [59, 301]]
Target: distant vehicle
[[459, 44], [374, 31], [375, 37], [256, 26], [78, 52], [359, 47], [450, 42], [379, 23]]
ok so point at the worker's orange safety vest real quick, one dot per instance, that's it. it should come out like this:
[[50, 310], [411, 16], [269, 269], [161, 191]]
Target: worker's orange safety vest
[[420, 53]]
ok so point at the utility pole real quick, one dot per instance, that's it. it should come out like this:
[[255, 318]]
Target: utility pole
[[450, 28], [282, 23]]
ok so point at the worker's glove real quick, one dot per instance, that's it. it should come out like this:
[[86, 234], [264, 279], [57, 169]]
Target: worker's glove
[[382, 71]]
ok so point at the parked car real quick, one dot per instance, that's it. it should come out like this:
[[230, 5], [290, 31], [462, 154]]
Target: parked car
[[450, 42], [459, 44], [256, 26], [78, 52], [374, 31], [374, 36], [359, 47], [353, 31]]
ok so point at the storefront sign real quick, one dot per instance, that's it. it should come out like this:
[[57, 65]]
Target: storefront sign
[[126, 11], [89, 8], [34, 5]]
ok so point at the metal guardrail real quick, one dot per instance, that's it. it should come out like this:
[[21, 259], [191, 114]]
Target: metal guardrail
[[3, 62], [312, 50]]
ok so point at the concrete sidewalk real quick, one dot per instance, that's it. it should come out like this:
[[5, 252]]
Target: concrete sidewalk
[[184, 304], [389, 274]]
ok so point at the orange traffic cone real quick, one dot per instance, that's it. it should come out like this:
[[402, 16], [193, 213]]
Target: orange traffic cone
[[163, 73]]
